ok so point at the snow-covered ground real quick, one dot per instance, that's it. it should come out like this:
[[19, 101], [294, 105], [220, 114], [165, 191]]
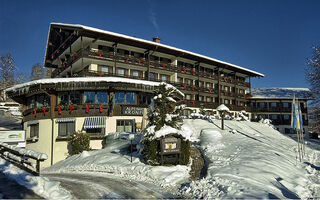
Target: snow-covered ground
[[246, 160], [39, 185], [115, 159], [252, 160]]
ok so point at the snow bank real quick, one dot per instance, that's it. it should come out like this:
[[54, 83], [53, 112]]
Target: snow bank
[[257, 162], [114, 159], [39, 185]]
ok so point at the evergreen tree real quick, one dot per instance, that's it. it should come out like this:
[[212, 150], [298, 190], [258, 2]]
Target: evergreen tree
[[164, 111]]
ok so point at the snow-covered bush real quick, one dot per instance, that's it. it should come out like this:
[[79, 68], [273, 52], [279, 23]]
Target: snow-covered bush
[[79, 142]]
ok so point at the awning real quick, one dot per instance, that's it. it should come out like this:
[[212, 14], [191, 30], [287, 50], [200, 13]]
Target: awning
[[61, 120], [32, 122], [94, 122]]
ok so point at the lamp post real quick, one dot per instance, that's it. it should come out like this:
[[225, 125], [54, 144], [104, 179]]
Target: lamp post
[[131, 137], [222, 109]]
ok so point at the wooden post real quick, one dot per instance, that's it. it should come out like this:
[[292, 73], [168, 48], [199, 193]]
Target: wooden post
[[222, 119], [38, 167]]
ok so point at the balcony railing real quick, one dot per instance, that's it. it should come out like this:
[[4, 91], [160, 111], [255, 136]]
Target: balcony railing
[[103, 55], [276, 109]]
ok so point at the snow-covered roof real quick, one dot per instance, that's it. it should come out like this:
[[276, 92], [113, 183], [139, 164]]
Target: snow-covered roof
[[154, 43], [87, 80], [280, 93]]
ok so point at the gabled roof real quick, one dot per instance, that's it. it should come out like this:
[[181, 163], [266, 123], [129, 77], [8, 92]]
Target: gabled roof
[[124, 39], [281, 93]]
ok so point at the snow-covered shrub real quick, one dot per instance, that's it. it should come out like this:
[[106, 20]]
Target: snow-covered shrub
[[150, 153], [79, 142], [185, 152], [164, 119]]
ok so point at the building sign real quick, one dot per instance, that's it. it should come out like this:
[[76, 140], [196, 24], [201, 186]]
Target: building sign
[[12, 136], [171, 145], [129, 110]]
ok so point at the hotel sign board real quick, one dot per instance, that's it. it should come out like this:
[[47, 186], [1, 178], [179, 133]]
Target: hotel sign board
[[171, 145], [12, 136], [132, 111]]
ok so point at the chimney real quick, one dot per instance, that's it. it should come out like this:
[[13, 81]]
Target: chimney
[[156, 39]]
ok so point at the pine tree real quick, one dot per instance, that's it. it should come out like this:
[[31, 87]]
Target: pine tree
[[165, 111]]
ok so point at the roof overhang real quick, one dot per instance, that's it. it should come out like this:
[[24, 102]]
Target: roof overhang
[[145, 44]]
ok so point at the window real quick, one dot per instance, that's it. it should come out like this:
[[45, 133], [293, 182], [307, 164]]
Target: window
[[262, 105], [180, 80], [119, 97], [34, 130], [188, 96], [200, 98], [131, 98], [135, 73], [102, 97], [165, 60], [104, 69], [164, 77], [200, 83], [286, 105], [273, 104], [66, 128], [144, 100], [273, 117], [209, 85], [75, 98], [153, 76], [188, 81], [63, 98], [121, 71], [125, 126], [286, 117], [226, 101], [88, 97], [31, 102], [136, 54]]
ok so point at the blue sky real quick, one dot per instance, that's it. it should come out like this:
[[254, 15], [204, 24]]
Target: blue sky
[[273, 37]]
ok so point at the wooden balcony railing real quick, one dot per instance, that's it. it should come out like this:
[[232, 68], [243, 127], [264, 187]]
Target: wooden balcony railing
[[103, 55]]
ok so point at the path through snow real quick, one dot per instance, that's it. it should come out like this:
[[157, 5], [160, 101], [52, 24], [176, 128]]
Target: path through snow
[[106, 186]]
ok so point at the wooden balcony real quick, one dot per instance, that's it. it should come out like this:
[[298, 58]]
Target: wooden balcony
[[110, 56]]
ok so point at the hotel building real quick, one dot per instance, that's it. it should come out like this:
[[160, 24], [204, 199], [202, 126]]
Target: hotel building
[[101, 82]]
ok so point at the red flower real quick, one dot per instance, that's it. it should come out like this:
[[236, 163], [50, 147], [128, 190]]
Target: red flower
[[35, 112], [87, 108], [59, 110], [100, 108], [44, 111], [71, 107]]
